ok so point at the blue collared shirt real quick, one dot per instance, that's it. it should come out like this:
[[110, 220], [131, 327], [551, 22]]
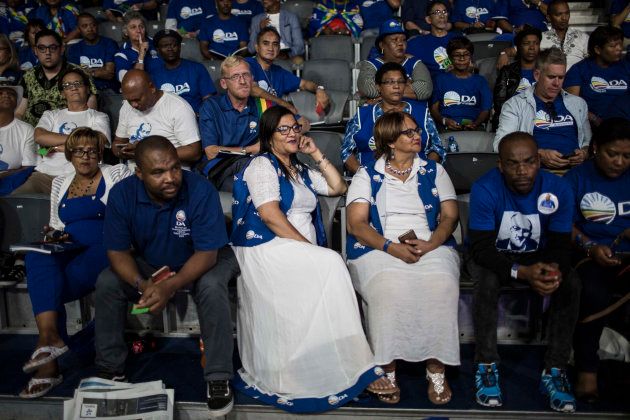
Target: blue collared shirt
[[223, 125], [167, 234]]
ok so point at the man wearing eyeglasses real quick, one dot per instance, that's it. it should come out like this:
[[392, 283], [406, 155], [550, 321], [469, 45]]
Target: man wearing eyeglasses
[[431, 48], [41, 90], [557, 120], [229, 125]]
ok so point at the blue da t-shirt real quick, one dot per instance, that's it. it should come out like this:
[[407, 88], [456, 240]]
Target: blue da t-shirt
[[599, 86], [276, 80], [223, 36], [617, 7], [190, 80], [527, 79], [521, 220], [471, 11], [375, 12], [190, 14], [27, 58], [602, 204], [517, 13], [63, 23], [10, 77], [462, 98], [557, 133], [95, 57], [431, 50], [247, 10]]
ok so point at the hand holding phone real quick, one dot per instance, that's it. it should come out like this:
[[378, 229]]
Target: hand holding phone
[[410, 234], [160, 275]]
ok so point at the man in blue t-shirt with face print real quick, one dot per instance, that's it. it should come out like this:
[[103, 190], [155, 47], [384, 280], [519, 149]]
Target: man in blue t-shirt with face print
[[520, 231]]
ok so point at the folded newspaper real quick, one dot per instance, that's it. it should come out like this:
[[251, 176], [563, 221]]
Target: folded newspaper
[[97, 398]]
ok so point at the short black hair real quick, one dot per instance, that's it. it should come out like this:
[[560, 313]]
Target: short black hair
[[611, 129], [526, 31], [86, 15], [460, 43], [601, 36], [151, 143], [515, 137], [389, 66], [430, 4], [48, 32], [265, 31], [554, 3]]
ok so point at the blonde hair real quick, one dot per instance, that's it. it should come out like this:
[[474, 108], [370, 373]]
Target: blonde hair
[[84, 135], [232, 61]]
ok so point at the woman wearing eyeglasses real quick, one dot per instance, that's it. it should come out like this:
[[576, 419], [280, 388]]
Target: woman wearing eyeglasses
[[358, 143], [54, 127], [461, 100], [402, 210], [392, 47], [77, 211], [299, 333], [601, 229]]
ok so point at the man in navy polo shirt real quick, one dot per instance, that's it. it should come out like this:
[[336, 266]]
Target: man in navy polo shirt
[[94, 53], [164, 216], [174, 74], [520, 230], [222, 34], [431, 48], [229, 123]]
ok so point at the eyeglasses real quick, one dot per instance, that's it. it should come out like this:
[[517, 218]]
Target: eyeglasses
[[411, 132], [285, 129], [236, 77], [439, 12], [53, 48], [461, 56], [393, 82], [91, 153], [72, 85]]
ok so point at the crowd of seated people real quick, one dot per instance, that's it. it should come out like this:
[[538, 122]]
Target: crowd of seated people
[[549, 217]]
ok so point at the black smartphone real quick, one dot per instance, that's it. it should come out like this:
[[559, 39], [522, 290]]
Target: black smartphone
[[410, 234], [568, 156]]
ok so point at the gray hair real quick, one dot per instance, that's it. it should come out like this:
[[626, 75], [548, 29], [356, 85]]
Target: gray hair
[[553, 55]]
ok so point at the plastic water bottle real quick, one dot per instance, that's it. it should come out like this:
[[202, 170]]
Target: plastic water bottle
[[453, 147]]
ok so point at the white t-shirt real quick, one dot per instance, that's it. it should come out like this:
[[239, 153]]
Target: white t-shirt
[[171, 117], [62, 121], [17, 147]]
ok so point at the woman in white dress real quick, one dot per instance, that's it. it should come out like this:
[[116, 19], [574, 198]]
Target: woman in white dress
[[299, 332], [410, 289]]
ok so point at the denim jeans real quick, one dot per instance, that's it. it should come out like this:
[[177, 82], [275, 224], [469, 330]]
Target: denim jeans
[[210, 293], [563, 313]]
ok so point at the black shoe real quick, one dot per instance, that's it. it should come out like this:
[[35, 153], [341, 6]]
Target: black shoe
[[15, 274], [220, 398], [118, 377]]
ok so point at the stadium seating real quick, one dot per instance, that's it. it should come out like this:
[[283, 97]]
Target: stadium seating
[[111, 30], [214, 68], [302, 8], [485, 49], [333, 74], [305, 103], [191, 51], [331, 47], [487, 68], [470, 141], [465, 168]]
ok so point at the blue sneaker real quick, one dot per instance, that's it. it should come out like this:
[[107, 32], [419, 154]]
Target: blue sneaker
[[488, 392], [556, 386]]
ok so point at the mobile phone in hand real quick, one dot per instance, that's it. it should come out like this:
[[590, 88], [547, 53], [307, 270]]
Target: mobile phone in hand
[[160, 275], [410, 234], [568, 156]]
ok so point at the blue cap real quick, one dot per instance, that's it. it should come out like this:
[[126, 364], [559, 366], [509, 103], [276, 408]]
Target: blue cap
[[389, 27]]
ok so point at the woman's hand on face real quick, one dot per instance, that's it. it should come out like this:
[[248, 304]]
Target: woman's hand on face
[[421, 247], [404, 252], [307, 146]]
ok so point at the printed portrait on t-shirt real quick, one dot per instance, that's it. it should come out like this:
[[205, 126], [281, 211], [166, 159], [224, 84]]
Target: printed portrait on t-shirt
[[143, 131], [67, 127], [518, 232]]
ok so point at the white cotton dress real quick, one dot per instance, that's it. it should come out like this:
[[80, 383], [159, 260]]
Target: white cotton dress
[[411, 309], [299, 329]]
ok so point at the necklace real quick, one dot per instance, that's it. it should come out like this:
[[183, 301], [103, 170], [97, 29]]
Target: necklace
[[397, 171], [76, 190]]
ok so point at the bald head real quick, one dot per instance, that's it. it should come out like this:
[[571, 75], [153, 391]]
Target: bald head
[[508, 142], [138, 89]]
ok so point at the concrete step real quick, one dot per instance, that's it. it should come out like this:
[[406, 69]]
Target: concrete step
[[580, 5]]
